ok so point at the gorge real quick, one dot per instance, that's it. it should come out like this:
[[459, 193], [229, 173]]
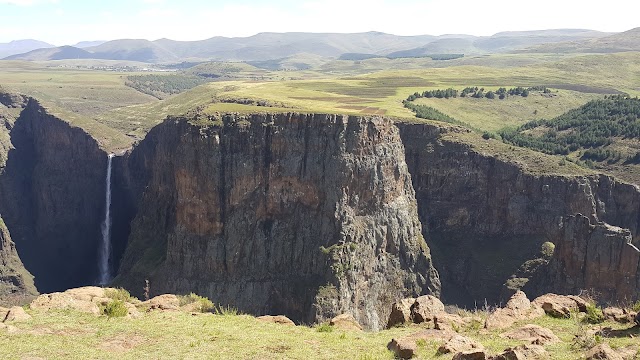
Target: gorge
[[309, 215]]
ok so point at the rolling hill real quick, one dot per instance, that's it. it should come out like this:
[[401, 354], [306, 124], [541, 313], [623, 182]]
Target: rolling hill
[[620, 42], [54, 53], [21, 46], [274, 46]]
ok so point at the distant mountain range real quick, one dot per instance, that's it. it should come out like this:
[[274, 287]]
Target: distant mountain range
[[270, 46]]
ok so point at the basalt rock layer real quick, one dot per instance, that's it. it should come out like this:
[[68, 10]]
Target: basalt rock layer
[[307, 215], [51, 198], [486, 219]]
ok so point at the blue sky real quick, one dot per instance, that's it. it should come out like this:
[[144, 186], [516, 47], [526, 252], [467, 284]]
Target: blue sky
[[69, 21]]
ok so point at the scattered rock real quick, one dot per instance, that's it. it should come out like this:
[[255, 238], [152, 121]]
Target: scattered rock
[[402, 348], [619, 315], [523, 352], [470, 355], [425, 308], [629, 352], [534, 334], [166, 302], [86, 293], [449, 322], [517, 308], [63, 301], [345, 322], [602, 351], [3, 312], [459, 343], [637, 319], [17, 314], [560, 306], [279, 319], [400, 312]]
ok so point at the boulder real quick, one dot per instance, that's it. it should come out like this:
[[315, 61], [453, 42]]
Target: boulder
[[400, 312], [459, 343], [450, 322], [637, 319], [618, 315], [517, 308], [279, 319], [602, 352], [345, 322], [523, 352], [86, 293], [476, 354], [3, 312], [533, 334], [17, 314], [425, 308], [402, 348], [63, 301], [560, 306], [166, 302]]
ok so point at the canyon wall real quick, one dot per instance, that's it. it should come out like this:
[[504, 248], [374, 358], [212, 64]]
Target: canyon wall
[[485, 218], [52, 198], [306, 215]]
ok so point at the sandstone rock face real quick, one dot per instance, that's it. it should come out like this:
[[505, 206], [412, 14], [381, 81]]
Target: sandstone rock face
[[518, 308], [533, 334], [560, 306], [310, 216], [602, 352], [477, 209], [459, 343], [400, 312], [425, 308], [279, 319], [523, 352], [345, 322], [402, 348], [17, 314], [52, 198]]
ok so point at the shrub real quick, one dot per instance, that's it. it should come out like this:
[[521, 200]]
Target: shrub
[[594, 314], [119, 294], [225, 310], [203, 304], [636, 306], [115, 308], [324, 328], [547, 249]]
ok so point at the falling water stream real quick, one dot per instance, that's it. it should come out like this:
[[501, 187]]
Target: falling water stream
[[105, 245]]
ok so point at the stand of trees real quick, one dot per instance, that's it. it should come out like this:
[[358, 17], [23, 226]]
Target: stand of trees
[[590, 127], [478, 93]]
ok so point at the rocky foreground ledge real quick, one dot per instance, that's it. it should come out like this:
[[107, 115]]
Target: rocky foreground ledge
[[551, 326]]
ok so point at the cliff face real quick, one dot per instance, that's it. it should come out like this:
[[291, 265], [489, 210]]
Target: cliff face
[[595, 257], [306, 215], [484, 218], [52, 198], [15, 280]]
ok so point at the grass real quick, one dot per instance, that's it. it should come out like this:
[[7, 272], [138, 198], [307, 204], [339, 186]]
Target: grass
[[74, 335]]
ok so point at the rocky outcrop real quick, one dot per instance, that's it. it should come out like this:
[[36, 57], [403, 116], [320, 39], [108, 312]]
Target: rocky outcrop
[[15, 280], [310, 216], [485, 216], [594, 256], [52, 198]]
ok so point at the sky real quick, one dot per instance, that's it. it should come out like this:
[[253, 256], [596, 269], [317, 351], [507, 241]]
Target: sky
[[66, 22]]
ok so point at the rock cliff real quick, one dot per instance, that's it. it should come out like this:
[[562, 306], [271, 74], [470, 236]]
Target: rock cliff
[[306, 215], [52, 198], [484, 218]]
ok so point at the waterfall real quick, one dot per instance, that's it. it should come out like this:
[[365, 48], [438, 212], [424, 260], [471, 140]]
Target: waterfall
[[105, 245]]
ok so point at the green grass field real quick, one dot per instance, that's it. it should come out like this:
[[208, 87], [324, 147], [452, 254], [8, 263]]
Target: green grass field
[[68, 334]]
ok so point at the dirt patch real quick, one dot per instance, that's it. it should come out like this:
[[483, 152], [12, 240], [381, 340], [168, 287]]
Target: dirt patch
[[122, 343]]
